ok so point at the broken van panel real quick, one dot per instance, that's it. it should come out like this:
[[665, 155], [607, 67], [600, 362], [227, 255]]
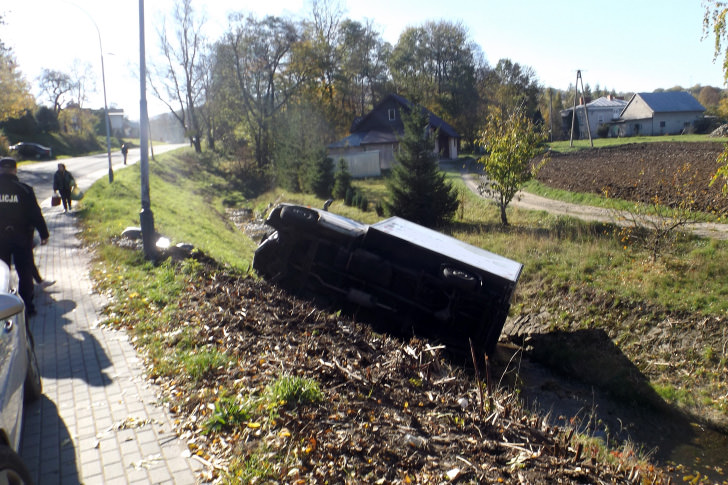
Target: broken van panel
[[411, 277]]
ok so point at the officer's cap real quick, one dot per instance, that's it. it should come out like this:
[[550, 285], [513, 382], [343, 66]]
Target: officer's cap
[[7, 162]]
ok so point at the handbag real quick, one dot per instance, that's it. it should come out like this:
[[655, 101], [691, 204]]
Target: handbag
[[76, 193], [55, 200]]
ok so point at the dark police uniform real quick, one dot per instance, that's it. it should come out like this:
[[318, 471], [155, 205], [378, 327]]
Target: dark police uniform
[[20, 216]]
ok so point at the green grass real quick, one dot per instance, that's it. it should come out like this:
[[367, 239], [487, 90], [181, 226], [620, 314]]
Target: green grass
[[197, 363], [229, 412], [292, 391], [590, 199], [187, 203], [584, 198], [566, 146]]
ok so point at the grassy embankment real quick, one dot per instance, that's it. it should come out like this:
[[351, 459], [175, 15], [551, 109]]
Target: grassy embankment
[[567, 146], [577, 274]]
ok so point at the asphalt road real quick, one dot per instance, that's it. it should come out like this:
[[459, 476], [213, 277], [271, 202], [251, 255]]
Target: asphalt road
[[86, 170]]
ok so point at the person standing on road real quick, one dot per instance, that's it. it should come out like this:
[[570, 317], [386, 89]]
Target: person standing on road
[[124, 151], [20, 217], [63, 183]]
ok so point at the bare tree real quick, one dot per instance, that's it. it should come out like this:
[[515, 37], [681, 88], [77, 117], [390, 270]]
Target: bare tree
[[57, 86], [265, 74], [207, 111], [81, 82], [181, 81], [657, 225]]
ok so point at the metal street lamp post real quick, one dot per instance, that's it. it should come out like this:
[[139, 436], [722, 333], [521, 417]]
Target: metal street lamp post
[[106, 110], [103, 82], [146, 217]]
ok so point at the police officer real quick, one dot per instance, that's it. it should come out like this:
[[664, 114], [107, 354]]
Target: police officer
[[20, 216]]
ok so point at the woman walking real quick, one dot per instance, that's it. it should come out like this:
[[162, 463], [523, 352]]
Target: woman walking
[[63, 183]]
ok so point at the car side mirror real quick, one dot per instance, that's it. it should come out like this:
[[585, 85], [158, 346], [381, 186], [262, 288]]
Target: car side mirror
[[10, 305]]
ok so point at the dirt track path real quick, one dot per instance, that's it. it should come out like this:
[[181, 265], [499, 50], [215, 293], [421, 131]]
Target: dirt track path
[[529, 201]]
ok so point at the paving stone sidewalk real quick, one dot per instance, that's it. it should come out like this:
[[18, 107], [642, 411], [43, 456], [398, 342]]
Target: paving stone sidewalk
[[99, 420]]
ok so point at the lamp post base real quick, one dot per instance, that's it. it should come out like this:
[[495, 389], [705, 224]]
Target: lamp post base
[[149, 235]]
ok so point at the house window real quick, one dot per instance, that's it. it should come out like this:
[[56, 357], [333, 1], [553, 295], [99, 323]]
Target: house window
[[662, 124], [392, 114]]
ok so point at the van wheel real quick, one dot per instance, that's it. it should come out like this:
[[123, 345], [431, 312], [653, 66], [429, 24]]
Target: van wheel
[[459, 278], [299, 216], [269, 259], [12, 468]]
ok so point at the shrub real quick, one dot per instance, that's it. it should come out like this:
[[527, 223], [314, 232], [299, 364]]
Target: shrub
[[319, 178], [342, 181], [603, 131]]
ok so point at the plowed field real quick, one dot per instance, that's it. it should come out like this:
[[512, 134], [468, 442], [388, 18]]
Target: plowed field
[[641, 171]]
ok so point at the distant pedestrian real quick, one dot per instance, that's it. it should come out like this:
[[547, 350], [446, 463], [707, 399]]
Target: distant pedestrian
[[20, 216], [124, 151], [63, 183]]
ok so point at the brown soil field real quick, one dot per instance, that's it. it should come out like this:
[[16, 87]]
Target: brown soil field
[[641, 171]]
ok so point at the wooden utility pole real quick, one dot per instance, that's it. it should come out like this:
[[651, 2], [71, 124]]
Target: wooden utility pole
[[573, 112], [551, 115]]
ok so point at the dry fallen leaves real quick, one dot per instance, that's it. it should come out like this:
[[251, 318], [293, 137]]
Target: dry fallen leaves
[[394, 411]]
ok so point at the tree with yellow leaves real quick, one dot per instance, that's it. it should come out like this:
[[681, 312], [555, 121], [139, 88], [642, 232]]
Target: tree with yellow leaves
[[511, 142], [16, 97], [714, 23]]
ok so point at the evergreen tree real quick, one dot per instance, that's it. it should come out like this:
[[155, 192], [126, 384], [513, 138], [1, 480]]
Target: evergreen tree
[[342, 181], [319, 176], [417, 188]]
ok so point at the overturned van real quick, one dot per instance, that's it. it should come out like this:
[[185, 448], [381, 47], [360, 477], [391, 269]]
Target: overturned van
[[412, 278]]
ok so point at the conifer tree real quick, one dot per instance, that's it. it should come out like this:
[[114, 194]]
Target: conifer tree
[[342, 181], [417, 188], [319, 175]]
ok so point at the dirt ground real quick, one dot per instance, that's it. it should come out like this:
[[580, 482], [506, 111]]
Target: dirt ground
[[641, 171], [393, 410]]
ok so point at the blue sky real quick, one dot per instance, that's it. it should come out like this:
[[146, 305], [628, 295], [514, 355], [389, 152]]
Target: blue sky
[[625, 45]]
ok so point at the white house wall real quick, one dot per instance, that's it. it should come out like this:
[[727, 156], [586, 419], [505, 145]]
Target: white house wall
[[637, 109], [673, 123], [362, 164], [384, 153], [661, 124], [453, 147]]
